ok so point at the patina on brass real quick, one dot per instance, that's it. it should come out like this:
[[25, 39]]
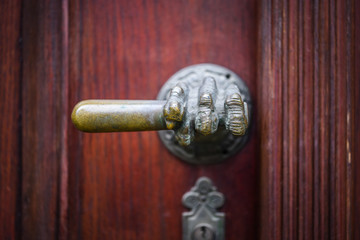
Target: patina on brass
[[215, 112], [118, 115], [205, 106]]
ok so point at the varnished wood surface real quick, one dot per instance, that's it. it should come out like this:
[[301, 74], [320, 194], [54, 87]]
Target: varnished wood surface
[[44, 119], [300, 60], [307, 107], [356, 207], [10, 131], [127, 186]]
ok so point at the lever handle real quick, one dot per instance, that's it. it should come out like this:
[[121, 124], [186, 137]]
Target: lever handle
[[207, 107], [119, 115]]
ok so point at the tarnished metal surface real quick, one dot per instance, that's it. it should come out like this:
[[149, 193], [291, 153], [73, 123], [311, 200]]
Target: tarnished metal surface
[[207, 108], [214, 105], [203, 221], [118, 115]]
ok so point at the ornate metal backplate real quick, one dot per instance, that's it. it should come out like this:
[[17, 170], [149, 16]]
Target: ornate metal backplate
[[224, 136], [203, 221]]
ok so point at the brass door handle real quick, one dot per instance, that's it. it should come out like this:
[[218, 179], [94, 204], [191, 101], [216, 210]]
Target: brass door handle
[[118, 115], [207, 107]]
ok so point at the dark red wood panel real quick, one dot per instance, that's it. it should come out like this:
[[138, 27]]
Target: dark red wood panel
[[307, 89], [299, 58], [356, 207], [10, 135], [44, 119], [126, 185]]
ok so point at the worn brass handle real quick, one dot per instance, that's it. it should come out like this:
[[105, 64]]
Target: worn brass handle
[[118, 115], [205, 105], [142, 115]]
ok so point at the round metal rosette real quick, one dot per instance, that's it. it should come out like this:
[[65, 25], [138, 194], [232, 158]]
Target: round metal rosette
[[220, 145]]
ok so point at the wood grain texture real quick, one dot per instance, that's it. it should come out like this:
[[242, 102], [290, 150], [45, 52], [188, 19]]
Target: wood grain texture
[[126, 185], [356, 207], [10, 138], [44, 119], [307, 112], [58, 183]]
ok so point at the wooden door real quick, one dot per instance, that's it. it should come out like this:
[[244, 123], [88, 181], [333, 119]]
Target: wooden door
[[127, 185], [295, 179]]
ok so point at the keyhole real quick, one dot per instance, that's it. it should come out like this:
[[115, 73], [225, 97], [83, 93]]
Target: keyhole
[[203, 233], [203, 229]]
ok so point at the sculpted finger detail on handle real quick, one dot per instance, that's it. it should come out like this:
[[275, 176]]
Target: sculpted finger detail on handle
[[175, 106], [236, 121], [206, 121], [185, 134]]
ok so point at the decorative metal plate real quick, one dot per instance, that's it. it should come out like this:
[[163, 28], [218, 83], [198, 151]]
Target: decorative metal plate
[[203, 221], [220, 144]]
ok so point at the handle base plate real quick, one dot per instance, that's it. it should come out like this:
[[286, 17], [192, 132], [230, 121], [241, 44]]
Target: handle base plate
[[222, 144]]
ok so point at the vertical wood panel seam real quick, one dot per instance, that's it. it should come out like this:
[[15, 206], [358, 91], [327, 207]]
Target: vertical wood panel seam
[[301, 112], [63, 167], [278, 78], [333, 161], [316, 122], [44, 119], [19, 195], [350, 45], [285, 181], [300, 130]]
